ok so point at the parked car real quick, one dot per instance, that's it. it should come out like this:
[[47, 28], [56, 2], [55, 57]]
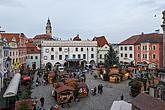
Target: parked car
[[60, 68]]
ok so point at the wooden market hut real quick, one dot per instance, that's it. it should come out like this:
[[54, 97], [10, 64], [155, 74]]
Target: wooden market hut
[[115, 77], [63, 93]]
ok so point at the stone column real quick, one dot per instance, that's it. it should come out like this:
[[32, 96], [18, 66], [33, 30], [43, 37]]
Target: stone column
[[163, 26]]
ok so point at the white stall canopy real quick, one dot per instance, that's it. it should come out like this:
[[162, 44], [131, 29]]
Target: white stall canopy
[[13, 86], [121, 105]]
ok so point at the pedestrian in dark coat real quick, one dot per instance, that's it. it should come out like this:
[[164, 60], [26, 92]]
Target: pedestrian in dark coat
[[101, 89], [42, 101], [98, 89]]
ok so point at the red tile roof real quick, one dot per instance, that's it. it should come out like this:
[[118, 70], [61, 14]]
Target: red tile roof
[[43, 36], [64, 88], [77, 38], [101, 41], [146, 102], [9, 36], [142, 38], [32, 49]]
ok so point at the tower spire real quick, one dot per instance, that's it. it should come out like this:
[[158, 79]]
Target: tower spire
[[48, 27]]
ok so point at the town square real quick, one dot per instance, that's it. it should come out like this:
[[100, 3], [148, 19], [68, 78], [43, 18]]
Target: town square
[[89, 55]]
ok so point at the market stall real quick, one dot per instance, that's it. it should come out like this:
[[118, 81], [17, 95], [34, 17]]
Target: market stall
[[63, 93]]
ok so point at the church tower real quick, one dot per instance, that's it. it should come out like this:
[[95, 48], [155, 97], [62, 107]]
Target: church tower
[[163, 26], [48, 28]]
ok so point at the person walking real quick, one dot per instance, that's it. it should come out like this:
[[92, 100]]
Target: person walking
[[98, 89], [101, 89], [42, 101]]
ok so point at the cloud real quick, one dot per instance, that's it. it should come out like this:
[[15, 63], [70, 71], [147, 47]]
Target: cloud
[[10, 3]]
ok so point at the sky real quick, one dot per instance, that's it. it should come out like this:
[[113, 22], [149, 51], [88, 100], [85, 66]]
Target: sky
[[115, 19]]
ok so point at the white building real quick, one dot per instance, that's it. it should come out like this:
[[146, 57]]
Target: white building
[[103, 47], [126, 50], [33, 56], [53, 52], [116, 49]]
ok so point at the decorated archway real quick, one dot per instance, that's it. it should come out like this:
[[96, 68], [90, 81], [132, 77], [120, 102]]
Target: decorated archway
[[83, 63], [92, 62], [49, 66]]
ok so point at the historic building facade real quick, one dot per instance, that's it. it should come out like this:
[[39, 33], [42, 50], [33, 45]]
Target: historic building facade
[[143, 48], [53, 52], [33, 56], [126, 50], [103, 47], [16, 49]]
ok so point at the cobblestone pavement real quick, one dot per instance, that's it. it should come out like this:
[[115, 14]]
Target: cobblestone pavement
[[111, 92]]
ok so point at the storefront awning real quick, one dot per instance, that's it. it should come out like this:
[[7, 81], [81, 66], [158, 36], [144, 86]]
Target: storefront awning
[[13, 86], [73, 59]]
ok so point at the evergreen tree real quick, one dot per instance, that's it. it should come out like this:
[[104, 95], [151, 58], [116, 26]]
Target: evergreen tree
[[111, 58]]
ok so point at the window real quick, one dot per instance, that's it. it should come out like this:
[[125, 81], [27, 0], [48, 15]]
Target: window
[[79, 56], [13, 53], [145, 55], [60, 49], [45, 57], [60, 57], [76, 49], [125, 48], [121, 48], [52, 57], [130, 55], [31, 57], [92, 55], [138, 47], [47, 50], [66, 56], [145, 47], [121, 55], [52, 49], [125, 55], [153, 56], [138, 55], [84, 56], [10, 53], [100, 56], [36, 57], [74, 56], [92, 49], [81, 49], [130, 48], [154, 47]]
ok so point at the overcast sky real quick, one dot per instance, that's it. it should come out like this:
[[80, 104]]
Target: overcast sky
[[116, 19]]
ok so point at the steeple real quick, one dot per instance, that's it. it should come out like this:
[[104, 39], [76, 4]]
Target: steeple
[[48, 27]]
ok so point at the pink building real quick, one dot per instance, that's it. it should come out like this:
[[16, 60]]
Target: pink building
[[149, 49]]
